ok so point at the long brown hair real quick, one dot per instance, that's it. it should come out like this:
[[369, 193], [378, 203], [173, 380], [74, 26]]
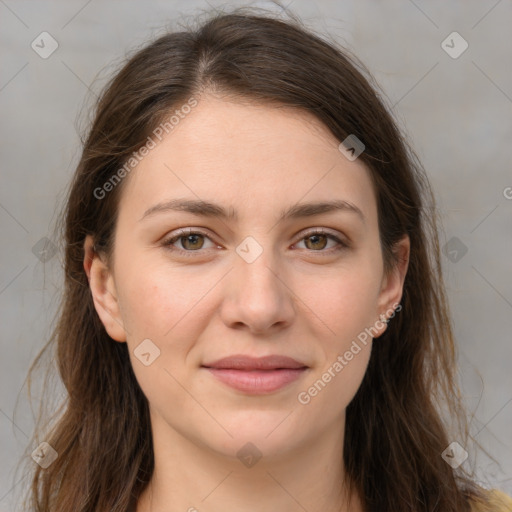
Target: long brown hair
[[395, 433]]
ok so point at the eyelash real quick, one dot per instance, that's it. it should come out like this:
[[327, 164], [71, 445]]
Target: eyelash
[[187, 232]]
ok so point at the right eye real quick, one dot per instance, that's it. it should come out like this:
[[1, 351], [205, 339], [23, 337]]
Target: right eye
[[192, 240]]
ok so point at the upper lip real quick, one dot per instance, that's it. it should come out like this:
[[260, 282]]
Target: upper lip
[[242, 362]]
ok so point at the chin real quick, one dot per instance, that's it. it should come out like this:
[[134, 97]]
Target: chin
[[258, 431]]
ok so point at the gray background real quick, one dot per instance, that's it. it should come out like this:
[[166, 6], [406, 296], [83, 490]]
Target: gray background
[[457, 111]]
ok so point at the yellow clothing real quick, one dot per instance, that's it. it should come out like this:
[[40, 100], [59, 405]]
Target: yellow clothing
[[499, 502]]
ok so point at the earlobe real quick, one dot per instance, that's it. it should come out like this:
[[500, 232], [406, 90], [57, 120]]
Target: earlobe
[[103, 291]]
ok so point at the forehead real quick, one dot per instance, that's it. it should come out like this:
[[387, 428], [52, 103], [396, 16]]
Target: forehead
[[249, 156]]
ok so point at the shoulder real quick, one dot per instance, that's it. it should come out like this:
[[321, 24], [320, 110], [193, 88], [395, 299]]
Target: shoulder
[[498, 502]]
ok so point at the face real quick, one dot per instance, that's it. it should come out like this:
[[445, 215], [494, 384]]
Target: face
[[271, 277]]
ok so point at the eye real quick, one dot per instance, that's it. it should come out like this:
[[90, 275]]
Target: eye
[[317, 240], [192, 240]]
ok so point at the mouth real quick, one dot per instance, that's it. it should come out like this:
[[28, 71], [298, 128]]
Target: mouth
[[256, 375]]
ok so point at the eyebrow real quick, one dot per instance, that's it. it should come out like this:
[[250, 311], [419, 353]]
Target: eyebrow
[[209, 209]]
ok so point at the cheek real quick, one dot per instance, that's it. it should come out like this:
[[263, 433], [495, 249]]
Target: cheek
[[172, 309], [334, 387], [165, 310], [346, 306], [345, 302], [347, 310], [158, 302]]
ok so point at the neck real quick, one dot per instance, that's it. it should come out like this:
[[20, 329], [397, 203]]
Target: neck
[[194, 478]]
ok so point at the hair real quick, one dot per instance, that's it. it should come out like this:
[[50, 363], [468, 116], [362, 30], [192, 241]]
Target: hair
[[395, 432]]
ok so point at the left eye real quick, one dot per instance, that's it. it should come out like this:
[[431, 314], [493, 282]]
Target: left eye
[[320, 239]]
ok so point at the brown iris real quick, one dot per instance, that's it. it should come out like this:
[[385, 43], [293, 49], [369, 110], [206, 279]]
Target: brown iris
[[316, 237]]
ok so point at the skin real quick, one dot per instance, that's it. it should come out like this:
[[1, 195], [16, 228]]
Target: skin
[[299, 298]]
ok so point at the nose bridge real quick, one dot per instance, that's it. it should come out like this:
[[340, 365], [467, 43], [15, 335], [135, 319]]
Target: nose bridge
[[256, 265]]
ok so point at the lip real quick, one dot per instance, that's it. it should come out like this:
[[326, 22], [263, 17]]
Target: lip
[[243, 362], [256, 375]]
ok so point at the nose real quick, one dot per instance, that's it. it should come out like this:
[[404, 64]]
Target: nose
[[257, 295]]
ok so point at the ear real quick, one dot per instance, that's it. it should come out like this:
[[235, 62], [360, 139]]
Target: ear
[[101, 282], [393, 282]]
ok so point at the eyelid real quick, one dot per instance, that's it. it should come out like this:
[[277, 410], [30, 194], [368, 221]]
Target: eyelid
[[323, 231]]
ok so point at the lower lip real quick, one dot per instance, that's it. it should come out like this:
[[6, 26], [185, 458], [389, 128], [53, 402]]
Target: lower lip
[[258, 381]]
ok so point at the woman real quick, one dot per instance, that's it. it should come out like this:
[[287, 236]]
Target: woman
[[254, 315]]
